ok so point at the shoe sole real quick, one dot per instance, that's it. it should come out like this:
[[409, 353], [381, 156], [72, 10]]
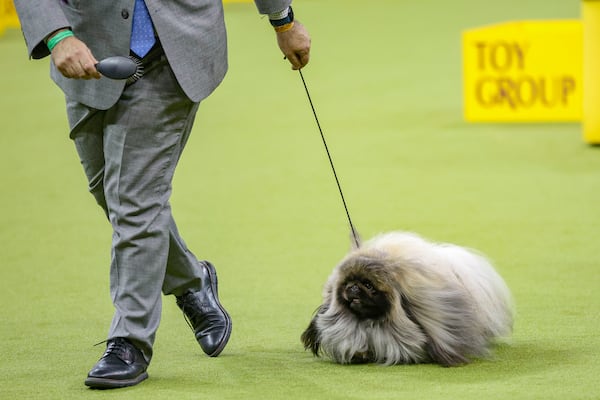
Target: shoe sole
[[214, 283], [106, 383]]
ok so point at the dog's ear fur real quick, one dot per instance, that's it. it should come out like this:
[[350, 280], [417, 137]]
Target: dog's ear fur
[[311, 337]]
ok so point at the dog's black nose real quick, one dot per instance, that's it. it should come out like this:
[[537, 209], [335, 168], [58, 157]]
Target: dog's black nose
[[354, 289]]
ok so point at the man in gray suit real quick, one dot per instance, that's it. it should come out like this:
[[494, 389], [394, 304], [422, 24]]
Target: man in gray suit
[[129, 136]]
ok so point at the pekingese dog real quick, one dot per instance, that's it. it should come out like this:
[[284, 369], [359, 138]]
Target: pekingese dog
[[399, 299]]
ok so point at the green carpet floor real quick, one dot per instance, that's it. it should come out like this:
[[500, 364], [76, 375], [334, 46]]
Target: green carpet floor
[[255, 195]]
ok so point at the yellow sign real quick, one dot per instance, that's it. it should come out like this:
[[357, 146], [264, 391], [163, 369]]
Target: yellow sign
[[8, 15], [523, 71]]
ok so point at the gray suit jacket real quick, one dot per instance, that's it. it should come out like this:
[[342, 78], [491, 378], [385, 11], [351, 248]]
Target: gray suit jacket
[[192, 33]]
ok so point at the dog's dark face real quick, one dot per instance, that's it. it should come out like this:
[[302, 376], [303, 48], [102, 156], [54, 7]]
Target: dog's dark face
[[364, 290]]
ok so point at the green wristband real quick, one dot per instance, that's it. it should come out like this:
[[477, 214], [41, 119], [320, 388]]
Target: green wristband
[[53, 41]]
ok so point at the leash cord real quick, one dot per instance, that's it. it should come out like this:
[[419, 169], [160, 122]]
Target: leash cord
[[337, 181]]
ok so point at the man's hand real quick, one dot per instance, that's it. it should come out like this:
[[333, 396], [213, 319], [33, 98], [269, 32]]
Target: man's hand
[[295, 45], [74, 59]]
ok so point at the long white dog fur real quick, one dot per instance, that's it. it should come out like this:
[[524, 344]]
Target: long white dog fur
[[443, 303]]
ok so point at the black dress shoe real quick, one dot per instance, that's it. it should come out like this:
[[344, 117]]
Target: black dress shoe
[[121, 365], [207, 317]]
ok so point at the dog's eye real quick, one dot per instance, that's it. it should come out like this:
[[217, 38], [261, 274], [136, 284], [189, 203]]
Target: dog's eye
[[368, 285]]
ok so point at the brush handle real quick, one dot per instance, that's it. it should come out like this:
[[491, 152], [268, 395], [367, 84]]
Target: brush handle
[[117, 67]]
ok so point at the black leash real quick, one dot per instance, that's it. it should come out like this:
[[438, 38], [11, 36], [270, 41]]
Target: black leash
[[337, 181]]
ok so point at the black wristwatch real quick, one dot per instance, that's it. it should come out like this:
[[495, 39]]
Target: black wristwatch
[[283, 21]]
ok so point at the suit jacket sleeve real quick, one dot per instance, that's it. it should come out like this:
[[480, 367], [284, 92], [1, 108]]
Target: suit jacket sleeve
[[39, 19], [272, 6]]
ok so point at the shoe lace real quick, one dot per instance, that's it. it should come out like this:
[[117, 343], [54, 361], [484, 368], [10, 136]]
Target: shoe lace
[[116, 346], [194, 313], [185, 317], [187, 309]]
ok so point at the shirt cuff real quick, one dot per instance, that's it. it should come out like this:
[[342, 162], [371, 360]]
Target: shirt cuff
[[279, 15]]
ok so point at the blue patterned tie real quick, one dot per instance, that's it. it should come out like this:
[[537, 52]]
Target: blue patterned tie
[[142, 32]]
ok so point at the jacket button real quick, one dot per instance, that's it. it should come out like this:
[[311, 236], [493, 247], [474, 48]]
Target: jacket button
[[124, 14]]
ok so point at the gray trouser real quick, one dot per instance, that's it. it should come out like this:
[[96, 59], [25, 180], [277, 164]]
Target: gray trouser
[[129, 153]]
